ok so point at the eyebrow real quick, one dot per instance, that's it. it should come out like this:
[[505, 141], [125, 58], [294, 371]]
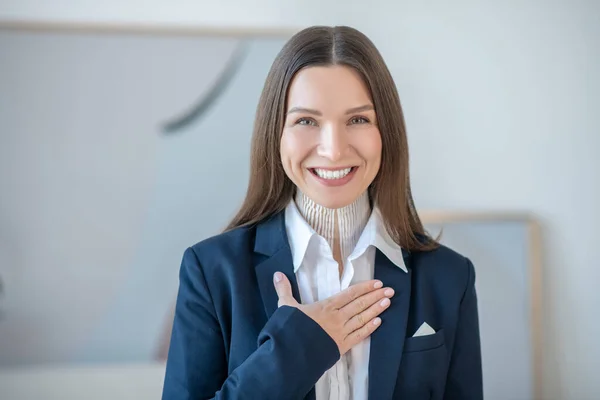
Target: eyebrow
[[366, 107], [303, 110]]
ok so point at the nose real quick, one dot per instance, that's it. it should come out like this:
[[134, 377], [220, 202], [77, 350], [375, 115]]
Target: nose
[[333, 142]]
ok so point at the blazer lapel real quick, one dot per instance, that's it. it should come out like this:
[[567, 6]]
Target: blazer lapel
[[387, 342], [272, 242], [282, 262]]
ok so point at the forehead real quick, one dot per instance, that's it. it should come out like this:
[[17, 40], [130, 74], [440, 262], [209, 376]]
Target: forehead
[[333, 89]]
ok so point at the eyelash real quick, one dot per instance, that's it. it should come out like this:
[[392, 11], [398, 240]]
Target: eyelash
[[365, 120], [312, 122], [309, 120]]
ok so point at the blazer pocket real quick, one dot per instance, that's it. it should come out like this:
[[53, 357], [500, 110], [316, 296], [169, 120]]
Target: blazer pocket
[[422, 343]]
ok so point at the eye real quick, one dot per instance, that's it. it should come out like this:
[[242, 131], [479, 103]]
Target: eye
[[306, 121], [358, 120]]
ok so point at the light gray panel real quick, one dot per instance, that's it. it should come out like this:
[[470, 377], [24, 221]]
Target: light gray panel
[[200, 182], [97, 204], [499, 252]]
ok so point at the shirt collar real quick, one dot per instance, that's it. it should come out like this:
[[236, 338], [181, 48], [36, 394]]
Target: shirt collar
[[300, 234]]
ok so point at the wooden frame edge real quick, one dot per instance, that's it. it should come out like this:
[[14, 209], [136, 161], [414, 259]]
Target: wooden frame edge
[[138, 28], [535, 260], [446, 217]]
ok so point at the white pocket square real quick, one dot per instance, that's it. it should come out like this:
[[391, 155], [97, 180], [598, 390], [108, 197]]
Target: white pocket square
[[424, 330]]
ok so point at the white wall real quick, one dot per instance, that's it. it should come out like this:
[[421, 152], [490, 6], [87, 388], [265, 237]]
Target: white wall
[[501, 103]]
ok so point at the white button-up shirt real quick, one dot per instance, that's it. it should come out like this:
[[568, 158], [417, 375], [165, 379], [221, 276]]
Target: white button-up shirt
[[318, 278]]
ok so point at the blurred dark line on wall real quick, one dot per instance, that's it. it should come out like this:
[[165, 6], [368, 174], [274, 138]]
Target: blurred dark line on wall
[[197, 110]]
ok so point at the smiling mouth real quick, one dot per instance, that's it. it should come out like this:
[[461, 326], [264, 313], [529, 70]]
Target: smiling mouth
[[330, 174]]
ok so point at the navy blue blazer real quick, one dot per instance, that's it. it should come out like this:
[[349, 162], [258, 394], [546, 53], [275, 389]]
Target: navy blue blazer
[[231, 341]]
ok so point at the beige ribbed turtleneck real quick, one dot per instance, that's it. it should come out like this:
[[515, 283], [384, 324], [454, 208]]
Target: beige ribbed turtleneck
[[341, 227]]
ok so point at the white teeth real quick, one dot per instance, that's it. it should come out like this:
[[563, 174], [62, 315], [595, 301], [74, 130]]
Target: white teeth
[[328, 174]]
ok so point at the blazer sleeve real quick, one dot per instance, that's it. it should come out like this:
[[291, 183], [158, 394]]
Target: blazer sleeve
[[464, 379], [292, 351]]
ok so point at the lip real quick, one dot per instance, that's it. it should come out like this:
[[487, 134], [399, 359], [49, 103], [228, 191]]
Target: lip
[[334, 182], [333, 168]]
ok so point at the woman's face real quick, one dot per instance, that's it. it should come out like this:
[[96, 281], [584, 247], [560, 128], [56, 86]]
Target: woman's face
[[330, 146]]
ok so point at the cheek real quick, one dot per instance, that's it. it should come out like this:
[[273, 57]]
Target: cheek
[[370, 147], [293, 149]]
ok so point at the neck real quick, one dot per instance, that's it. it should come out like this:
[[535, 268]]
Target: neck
[[341, 227]]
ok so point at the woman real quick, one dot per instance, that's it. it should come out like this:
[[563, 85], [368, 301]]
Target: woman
[[325, 285]]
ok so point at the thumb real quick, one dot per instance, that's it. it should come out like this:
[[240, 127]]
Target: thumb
[[284, 290]]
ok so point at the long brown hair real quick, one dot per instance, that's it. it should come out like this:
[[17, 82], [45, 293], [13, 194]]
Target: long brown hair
[[270, 190]]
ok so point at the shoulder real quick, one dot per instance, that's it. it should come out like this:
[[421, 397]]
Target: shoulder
[[220, 265], [236, 243], [444, 268], [223, 258], [233, 255], [218, 269]]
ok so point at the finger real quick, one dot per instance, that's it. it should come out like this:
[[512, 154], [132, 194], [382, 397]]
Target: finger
[[360, 319], [365, 301], [354, 292], [284, 290], [357, 336]]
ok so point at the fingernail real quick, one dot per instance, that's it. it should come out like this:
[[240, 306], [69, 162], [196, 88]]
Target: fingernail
[[378, 284], [385, 302], [389, 292], [278, 277], [376, 321]]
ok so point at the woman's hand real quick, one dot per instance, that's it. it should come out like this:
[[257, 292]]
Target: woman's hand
[[348, 317]]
